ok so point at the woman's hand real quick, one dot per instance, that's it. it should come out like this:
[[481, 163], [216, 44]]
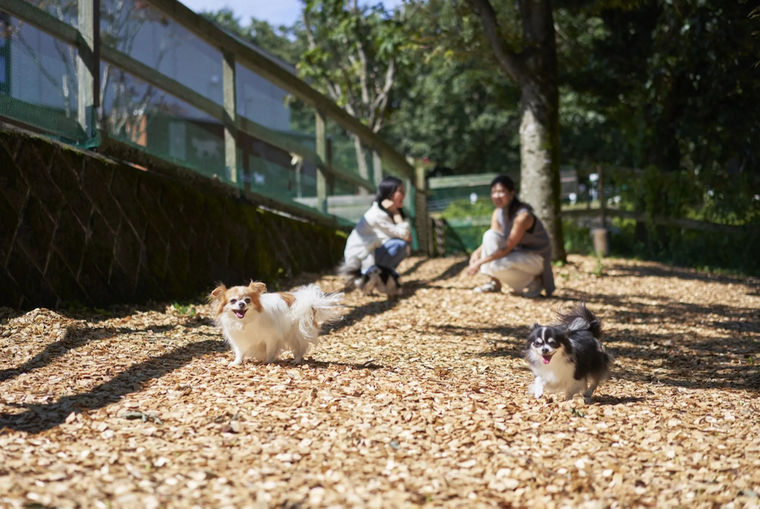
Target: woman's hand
[[475, 263]]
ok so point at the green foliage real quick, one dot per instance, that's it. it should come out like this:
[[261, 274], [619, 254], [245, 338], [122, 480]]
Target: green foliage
[[707, 250], [354, 54], [671, 86], [577, 412], [577, 238], [183, 309], [464, 209], [457, 110], [459, 116], [599, 267], [466, 224], [280, 42]]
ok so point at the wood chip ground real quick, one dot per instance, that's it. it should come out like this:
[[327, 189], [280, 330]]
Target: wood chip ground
[[415, 401]]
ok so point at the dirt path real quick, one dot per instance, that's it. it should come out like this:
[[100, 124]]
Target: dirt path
[[416, 401]]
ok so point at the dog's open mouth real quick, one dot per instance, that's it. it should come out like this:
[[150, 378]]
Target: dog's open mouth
[[547, 357], [240, 313]]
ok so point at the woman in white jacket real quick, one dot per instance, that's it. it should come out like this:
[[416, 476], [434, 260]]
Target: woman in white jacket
[[382, 236]]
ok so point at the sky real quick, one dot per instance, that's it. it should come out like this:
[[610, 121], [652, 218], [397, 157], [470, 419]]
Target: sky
[[276, 12]]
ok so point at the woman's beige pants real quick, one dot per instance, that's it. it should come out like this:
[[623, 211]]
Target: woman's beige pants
[[515, 270]]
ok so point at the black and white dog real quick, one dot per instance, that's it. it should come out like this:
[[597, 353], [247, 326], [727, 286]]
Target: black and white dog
[[378, 278], [568, 357], [382, 279]]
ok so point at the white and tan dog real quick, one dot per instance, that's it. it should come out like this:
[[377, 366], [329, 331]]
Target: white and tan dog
[[261, 325]]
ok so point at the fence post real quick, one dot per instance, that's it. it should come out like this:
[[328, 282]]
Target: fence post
[[230, 129], [88, 65], [599, 235], [321, 146], [602, 205], [422, 219], [377, 168]]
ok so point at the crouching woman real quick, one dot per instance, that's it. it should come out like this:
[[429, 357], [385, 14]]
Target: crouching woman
[[516, 250], [381, 239]]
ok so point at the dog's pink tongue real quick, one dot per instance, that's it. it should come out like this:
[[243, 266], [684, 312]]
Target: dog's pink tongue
[[547, 359], [240, 314]]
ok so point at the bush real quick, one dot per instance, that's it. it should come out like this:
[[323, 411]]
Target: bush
[[734, 251], [577, 238]]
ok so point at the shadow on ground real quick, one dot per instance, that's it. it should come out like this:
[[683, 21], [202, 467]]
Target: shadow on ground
[[76, 337], [40, 417]]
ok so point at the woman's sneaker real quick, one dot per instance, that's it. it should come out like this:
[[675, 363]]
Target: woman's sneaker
[[490, 287]]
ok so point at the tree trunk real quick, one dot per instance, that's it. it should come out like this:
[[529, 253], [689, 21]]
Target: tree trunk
[[539, 161], [539, 124], [534, 69]]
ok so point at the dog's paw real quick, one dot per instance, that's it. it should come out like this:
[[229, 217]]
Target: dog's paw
[[395, 292]]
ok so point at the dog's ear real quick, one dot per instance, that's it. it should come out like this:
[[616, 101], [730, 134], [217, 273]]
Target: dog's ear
[[564, 339], [218, 296], [217, 293], [257, 286], [535, 326]]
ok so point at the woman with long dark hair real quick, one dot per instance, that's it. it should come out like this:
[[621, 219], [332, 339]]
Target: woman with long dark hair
[[516, 250], [382, 236]]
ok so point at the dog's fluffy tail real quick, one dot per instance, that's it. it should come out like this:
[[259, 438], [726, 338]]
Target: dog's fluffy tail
[[314, 308], [351, 275], [580, 318]]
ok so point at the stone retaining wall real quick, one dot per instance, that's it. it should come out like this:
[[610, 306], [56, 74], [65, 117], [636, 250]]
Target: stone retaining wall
[[79, 228]]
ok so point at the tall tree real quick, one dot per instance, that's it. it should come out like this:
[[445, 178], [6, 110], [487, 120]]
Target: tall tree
[[457, 114], [354, 54], [530, 60], [670, 86]]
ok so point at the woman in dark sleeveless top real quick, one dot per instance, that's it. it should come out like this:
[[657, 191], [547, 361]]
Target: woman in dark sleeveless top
[[516, 250]]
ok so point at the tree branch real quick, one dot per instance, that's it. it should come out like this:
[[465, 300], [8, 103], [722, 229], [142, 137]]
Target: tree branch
[[507, 59], [381, 99]]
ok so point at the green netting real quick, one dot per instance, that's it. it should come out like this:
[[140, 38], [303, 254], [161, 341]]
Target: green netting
[[161, 91], [146, 34], [269, 170], [143, 115], [38, 84], [343, 150]]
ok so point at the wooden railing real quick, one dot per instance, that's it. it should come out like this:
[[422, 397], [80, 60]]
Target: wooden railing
[[91, 49]]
